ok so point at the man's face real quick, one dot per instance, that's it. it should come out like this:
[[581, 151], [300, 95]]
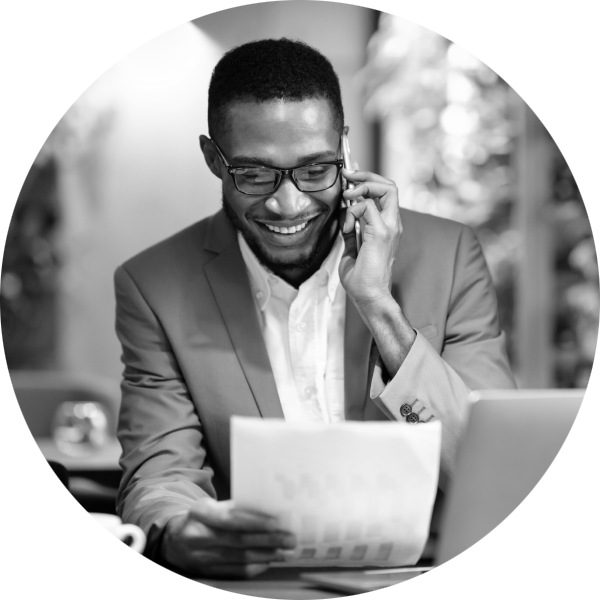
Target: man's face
[[284, 135]]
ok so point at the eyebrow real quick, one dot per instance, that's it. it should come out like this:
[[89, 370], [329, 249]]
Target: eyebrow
[[302, 160]]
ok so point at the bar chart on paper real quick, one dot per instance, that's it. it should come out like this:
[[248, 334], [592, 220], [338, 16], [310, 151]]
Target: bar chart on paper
[[354, 494]]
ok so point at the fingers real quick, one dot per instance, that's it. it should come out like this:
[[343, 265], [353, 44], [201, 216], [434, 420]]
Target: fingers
[[278, 539], [357, 176], [370, 185], [383, 195], [223, 515], [368, 211], [221, 524], [199, 536], [237, 556], [216, 539], [231, 562], [386, 193], [235, 571], [246, 556]]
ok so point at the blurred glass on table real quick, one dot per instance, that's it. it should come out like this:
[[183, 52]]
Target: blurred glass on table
[[79, 428]]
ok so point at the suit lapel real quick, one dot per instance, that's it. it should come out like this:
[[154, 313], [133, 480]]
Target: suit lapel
[[357, 366], [230, 286]]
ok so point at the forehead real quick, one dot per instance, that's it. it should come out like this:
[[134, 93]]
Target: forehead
[[279, 128]]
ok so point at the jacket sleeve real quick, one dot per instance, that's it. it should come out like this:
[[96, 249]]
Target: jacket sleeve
[[164, 462], [473, 355]]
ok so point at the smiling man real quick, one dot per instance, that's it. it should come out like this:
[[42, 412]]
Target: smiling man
[[264, 309], [293, 231]]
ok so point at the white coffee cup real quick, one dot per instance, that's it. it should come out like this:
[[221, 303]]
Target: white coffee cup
[[77, 549]]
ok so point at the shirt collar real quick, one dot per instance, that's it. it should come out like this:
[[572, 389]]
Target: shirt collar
[[260, 275]]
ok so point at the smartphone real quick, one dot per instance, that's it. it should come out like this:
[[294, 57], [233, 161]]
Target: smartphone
[[348, 165]]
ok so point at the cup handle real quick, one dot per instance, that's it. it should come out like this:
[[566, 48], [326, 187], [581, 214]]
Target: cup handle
[[134, 533]]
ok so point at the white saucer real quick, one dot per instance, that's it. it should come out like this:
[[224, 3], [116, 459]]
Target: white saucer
[[31, 584]]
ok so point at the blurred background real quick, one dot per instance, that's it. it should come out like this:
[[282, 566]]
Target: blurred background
[[123, 169]]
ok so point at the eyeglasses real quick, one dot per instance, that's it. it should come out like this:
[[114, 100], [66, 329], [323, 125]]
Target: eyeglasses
[[257, 181]]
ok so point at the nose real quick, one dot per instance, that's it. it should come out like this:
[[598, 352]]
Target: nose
[[287, 200]]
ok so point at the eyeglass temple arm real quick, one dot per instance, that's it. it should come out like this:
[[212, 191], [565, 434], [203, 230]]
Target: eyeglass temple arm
[[221, 155]]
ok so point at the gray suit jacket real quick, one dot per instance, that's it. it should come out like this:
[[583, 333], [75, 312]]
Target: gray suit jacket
[[194, 354]]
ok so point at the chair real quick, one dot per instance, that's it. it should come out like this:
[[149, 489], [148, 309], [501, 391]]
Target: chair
[[39, 394]]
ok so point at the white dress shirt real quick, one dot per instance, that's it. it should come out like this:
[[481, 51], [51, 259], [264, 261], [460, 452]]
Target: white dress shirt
[[303, 330]]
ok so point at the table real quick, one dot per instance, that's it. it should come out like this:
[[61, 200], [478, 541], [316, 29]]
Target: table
[[100, 466], [105, 458], [275, 584]]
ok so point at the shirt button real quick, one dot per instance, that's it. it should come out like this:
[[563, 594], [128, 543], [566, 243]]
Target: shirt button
[[310, 391], [413, 418], [301, 326], [259, 295], [405, 410]]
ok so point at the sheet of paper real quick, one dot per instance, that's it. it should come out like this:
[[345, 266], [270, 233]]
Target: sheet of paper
[[353, 493]]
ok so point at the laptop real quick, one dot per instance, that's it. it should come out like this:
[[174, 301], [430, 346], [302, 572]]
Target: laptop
[[522, 516]]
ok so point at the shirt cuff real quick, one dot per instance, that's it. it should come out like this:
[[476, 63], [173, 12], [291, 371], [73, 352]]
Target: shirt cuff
[[397, 400]]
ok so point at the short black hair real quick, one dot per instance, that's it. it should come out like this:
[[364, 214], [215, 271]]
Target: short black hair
[[272, 69]]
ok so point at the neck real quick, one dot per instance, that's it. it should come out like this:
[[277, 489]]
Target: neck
[[296, 276]]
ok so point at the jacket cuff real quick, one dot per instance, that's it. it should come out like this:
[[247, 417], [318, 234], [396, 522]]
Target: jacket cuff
[[402, 397], [425, 387], [151, 509]]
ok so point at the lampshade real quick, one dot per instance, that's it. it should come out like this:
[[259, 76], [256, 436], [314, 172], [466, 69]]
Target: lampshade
[[53, 36]]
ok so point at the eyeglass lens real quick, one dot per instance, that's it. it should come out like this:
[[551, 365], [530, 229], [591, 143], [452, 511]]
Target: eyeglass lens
[[261, 180]]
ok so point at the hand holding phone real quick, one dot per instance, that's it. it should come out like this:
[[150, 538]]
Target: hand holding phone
[[348, 165], [371, 207]]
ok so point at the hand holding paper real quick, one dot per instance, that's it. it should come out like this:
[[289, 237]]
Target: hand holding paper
[[354, 494]]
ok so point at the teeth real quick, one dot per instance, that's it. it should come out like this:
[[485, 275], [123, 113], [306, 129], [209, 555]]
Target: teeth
[[287, 230]]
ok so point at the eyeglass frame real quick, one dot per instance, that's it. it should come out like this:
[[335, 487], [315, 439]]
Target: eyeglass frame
[[281, 172]]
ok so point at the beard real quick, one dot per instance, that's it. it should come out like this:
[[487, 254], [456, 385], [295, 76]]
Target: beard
[[308, 261]]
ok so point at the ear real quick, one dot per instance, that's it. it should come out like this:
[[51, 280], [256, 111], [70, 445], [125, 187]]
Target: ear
[[210, 156]]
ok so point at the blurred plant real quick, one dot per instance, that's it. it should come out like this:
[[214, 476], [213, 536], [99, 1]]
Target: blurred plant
[[442, 66], [29, 271], [576, 133], [31, 264]]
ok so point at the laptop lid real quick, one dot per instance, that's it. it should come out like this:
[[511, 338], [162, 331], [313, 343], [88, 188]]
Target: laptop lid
[[523, 512]]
